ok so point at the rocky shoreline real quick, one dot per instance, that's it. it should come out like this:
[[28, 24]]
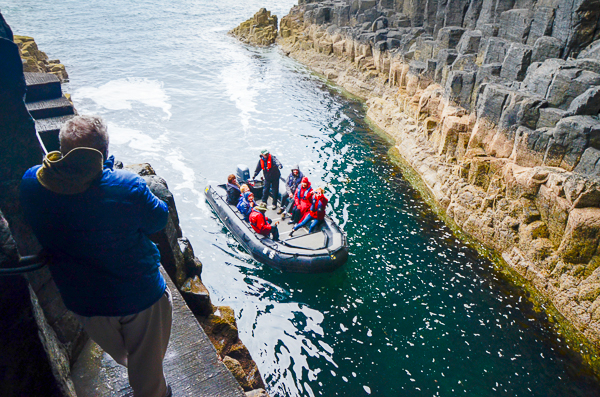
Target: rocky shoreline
[[495, 106]]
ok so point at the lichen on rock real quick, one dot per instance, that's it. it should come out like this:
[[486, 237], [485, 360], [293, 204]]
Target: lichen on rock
[[37, 61]]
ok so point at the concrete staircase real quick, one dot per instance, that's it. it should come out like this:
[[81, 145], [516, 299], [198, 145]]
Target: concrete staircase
[[48, 106]]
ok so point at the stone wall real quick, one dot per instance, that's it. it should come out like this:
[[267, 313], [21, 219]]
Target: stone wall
[[495, 105]]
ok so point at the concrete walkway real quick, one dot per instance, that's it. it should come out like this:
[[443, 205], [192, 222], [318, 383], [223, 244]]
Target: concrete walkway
[[192, 366]]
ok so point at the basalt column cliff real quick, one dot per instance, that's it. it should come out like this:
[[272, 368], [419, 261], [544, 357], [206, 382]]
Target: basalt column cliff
[[495, 104]]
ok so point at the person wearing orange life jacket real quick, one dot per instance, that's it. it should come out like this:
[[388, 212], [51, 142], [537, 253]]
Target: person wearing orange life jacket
[[270, 166], [316, 213], [302, 200], [261, 224]]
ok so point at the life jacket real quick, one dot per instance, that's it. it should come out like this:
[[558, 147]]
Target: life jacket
[[317, 208], [303, 194], [269, 164]]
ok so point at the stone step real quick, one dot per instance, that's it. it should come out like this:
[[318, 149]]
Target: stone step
[[42, 86], [50, 108], [192, 366], [48, 130]]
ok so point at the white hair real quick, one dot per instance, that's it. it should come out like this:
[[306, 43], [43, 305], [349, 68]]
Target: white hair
[[84, 131]]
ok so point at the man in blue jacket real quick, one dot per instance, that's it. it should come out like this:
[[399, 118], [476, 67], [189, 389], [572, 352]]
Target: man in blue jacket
[[94, 221]]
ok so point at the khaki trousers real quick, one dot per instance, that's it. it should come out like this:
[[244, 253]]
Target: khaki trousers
[[139, 342]]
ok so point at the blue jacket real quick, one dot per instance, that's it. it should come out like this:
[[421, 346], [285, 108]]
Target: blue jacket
[[103, 262], [244, 206]]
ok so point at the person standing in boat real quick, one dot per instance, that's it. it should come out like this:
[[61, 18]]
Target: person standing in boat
[[302, 200], [246, 204], [233, 190], [263, 225], [270, 166], [316, 213], [292, 183]]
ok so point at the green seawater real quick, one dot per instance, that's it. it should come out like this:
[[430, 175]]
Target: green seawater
[[414, 312]]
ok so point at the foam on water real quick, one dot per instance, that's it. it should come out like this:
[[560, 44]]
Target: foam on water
[[134, 139], [236, 78], [120, 94]]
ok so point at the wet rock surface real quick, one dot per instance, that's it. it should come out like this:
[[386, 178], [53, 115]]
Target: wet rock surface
[[495, 105]]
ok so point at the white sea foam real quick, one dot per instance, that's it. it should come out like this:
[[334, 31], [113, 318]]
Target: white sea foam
[[134, 139], [120, 94], [236, 78]]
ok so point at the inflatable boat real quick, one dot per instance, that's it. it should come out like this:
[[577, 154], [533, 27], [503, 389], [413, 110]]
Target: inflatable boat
[[321, 251]]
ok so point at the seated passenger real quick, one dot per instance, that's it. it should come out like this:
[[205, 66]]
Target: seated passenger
[[233, 190], [261, 224], [302, 200], [316, 212], [246, 204], [293, 181]]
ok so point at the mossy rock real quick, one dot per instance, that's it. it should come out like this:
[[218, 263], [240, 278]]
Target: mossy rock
[[236, 369]]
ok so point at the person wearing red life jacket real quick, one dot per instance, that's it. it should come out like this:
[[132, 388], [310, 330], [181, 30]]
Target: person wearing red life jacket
[[270, 166], [316, 212], [261, 224], [302, 200]]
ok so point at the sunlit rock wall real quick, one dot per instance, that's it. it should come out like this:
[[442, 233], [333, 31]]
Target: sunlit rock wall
[[495, 104]]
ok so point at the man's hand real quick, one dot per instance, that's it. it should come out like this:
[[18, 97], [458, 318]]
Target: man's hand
[[276, 223], [291, 195]]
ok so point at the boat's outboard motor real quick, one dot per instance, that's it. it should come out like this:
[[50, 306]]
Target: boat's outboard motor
[[243, 173]]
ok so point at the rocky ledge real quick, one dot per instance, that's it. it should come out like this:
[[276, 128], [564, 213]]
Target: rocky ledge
[[495, 105]]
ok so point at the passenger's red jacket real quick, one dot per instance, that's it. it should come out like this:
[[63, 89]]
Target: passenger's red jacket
[[259, 223], [303, 197]]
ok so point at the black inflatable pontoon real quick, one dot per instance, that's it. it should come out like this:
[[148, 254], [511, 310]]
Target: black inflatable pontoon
[[322, 251]]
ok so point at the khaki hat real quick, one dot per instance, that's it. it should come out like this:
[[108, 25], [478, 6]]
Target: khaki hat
[[72, 173], [261, 207]]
